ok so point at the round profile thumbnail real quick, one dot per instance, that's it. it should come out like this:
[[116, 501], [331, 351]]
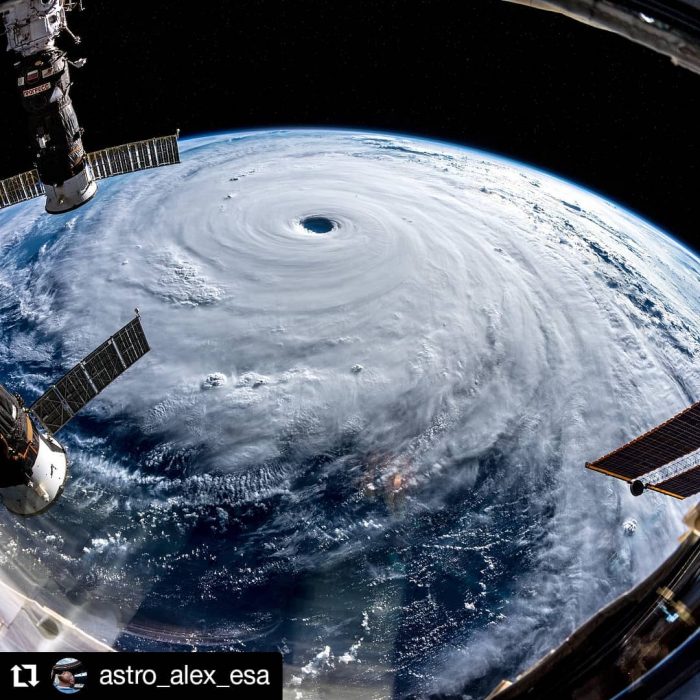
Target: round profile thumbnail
[[68, 676]]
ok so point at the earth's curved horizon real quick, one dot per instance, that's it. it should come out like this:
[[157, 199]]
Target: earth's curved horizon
[[478, 151], [379, 363]]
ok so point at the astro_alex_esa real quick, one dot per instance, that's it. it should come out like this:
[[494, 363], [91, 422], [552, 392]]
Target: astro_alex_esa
[[180, 677]]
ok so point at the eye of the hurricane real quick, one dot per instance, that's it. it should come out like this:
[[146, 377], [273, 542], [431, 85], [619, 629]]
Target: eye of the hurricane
[[318, 224]]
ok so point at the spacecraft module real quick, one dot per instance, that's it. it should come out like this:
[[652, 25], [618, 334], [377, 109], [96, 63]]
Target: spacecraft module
[[669, 27], [645, 644], [33, 464], [65, 174]]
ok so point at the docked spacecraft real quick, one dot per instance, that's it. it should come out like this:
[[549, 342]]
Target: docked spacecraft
[[65, 174], [33, 464]]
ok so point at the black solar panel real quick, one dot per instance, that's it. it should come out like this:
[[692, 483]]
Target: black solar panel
[[131, 342], [667, 442], [90, 376], [103, 366], [682, 485]]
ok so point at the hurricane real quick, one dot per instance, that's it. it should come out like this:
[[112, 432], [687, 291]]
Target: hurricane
[[379, 365]]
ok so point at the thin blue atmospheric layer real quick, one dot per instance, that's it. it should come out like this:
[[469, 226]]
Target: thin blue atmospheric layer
[[493, 155]]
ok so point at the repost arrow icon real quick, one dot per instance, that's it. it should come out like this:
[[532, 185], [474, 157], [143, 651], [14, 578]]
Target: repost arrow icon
[[17, 670], [16, 683], [33, 681]]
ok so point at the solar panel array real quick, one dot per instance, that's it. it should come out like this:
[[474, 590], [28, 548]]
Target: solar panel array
[[681, 485], [90, 376], [132, 157], [20, 188], [676, 438], [129, 158]]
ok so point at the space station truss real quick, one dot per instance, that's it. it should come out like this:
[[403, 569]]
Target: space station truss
[[20, 188], [90, 376], [667, 457], [132, 157]]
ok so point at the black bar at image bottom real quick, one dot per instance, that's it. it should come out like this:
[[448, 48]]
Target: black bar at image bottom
[[167, 675]]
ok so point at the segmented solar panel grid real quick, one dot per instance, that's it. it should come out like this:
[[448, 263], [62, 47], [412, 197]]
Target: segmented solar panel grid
[[90, 376], [103, 365], [132, 157], [682, 485], [60, 403], [20, 188], [131, 342], [667, 442]]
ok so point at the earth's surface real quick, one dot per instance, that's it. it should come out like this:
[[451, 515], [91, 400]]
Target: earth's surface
[[378, 367]]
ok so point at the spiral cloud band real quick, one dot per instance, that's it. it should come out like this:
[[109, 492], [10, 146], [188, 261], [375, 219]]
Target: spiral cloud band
[[378, 366]]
